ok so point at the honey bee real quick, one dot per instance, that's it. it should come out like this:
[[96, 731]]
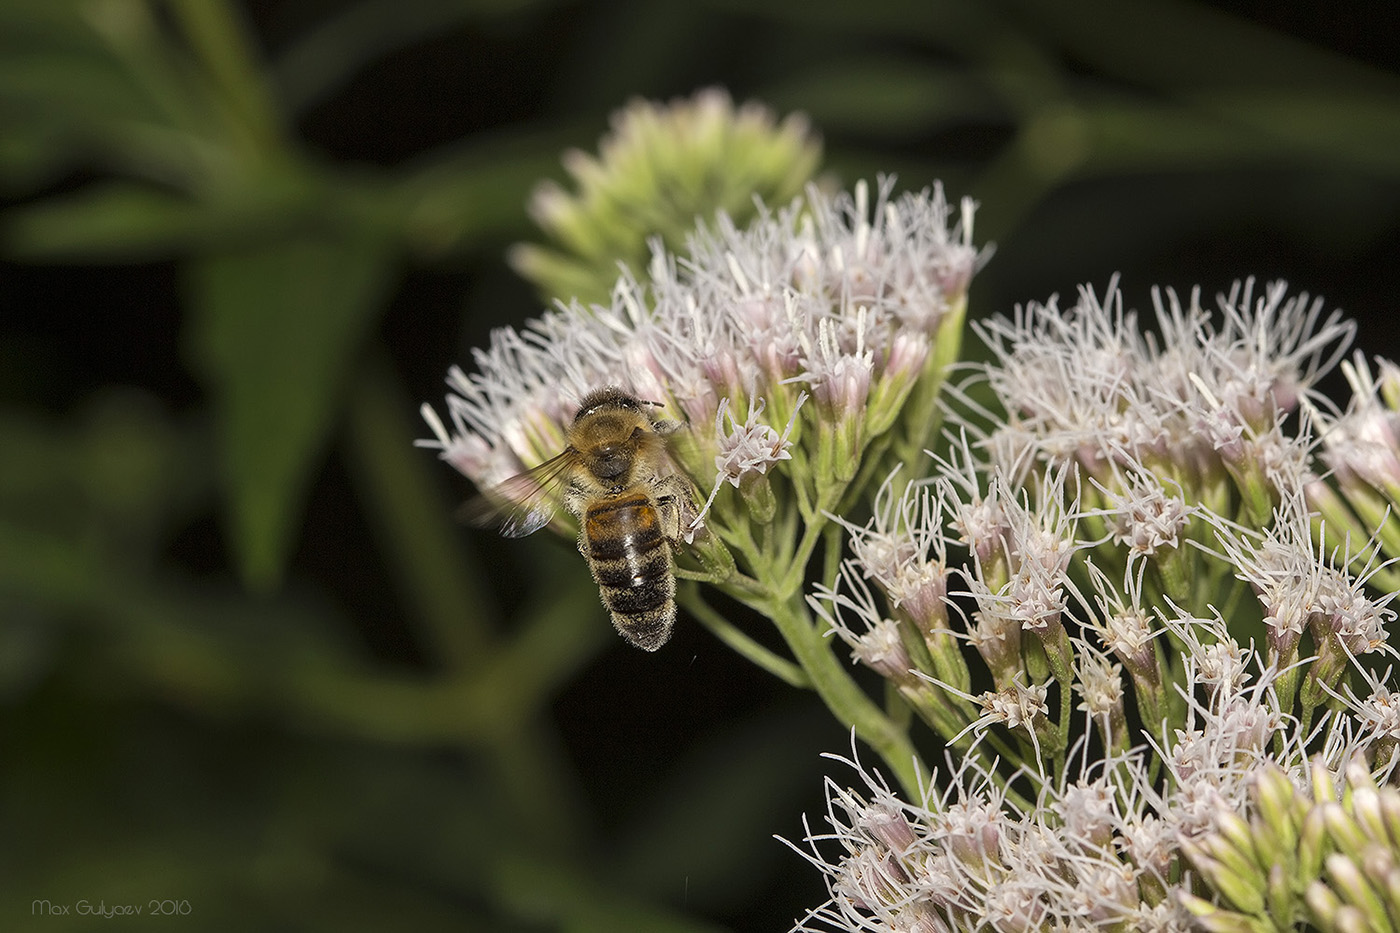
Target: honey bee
[[616, 476]]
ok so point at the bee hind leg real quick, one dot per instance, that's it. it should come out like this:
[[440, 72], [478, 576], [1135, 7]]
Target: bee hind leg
[[675, 508]]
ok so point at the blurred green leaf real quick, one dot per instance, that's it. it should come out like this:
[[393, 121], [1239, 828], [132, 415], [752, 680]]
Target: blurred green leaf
[[1340, 127], [1191, 47], [941, 23], [1109, 137], [464, 196], [113, 221], [115, 806], [117, 473], [444, 207], [110, 68], [122, 221], [166, 734], [274, 333], [405, 498], [885, 96], [221, 41], [29, 647], [71, 87], [63, 112], [136, 470]]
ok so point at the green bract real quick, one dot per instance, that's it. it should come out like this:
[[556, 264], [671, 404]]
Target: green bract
[[662, 168]]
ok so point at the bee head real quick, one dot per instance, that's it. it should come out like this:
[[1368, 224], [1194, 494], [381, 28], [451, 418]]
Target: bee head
[[608, 431], [605, 398]]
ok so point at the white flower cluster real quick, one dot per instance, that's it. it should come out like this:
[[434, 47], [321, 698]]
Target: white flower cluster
[[832, 296], [1115, 563], [1361, 448], [1088, 385], [1364, 442], [1099, 850]]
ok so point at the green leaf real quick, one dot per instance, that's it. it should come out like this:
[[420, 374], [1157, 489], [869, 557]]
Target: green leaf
[[114, 221], [75, 87], [274, 331], [884, 96]]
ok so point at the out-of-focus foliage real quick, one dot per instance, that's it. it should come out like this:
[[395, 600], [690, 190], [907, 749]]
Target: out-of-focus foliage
[[248, 663]]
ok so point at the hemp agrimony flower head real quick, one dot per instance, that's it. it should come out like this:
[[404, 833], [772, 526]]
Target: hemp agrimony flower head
[[1361, 449], [1141, 626], [1201, 405], [801, 357], [661, 168], [853, 304]]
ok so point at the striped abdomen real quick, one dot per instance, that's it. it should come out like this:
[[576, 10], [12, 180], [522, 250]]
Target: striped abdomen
[[631, 562]]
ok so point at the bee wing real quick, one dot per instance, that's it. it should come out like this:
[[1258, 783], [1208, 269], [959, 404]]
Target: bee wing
[[526, 502]]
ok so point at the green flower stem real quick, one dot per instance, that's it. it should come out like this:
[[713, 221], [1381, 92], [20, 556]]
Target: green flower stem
[[791, 579], [1340, 522], [897, 707], [737, 538], [779, 567], [842, 695], [831, 554], [690, 598], [939, 710], [1377, 514], [1236, 600], [803, 483], [921, 412], [1066, 711], [730, 577], [1002, 750], [874, 458], [1177, 573], [1334, 515]]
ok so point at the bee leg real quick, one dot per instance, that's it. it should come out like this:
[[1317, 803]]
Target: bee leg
[[575, 502], [669, 516], [675, 507], [688, 509]]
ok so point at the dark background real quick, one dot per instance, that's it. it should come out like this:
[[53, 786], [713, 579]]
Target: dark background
[[155, 739]]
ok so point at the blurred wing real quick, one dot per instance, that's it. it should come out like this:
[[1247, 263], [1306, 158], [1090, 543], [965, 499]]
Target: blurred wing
[[526, 502]]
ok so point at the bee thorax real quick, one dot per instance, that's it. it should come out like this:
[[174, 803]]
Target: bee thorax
[[609, 462]]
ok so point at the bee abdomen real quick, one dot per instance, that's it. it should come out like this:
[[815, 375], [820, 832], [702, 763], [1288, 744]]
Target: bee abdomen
[[631, 562]]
